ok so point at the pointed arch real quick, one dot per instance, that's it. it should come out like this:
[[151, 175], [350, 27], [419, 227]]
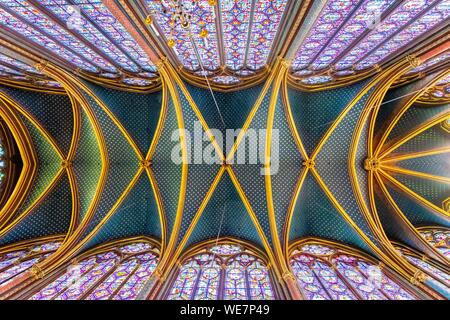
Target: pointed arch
[[225, 269]]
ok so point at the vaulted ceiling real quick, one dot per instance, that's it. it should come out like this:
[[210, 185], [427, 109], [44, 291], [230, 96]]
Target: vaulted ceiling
[[358, 91]]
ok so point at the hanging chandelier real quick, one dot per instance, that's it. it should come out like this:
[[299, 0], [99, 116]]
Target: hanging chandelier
[[179, 13]]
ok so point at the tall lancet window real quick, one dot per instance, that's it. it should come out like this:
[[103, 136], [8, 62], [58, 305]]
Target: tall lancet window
[[117, 272], [16, 260], [325, 272], [430, 267], [225, 271]]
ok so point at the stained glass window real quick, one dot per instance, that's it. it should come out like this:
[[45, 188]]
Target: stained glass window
[[428, 266], [12, 68], [83, 33], [225, 271], [430, 63], [440, 239], [327, 273], [15, 262], [119, 273], [355, 35], [439, 92], [248, 30]]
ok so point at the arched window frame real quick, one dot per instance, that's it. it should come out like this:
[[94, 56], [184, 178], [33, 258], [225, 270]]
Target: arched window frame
[[344, 250], [113, 247], [30, 254], [195, 251], [427, 232], [406, 251]]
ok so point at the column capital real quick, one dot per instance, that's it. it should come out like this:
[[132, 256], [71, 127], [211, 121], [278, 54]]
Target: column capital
[[413, 60], [37, 272]]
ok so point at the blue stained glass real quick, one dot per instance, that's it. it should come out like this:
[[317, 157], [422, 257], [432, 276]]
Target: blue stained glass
[[8, 70], [430, 63], [439, 239], [225, 80], [235, 25], [362, 20], [203, 17], [235, 283], [15, 262], [12, 23], [350, 36], [99, 13], [244, 276], [118, 274], [137, 82], [18, 64], [331, 17], [432, 18], [308, 282], [438, 274], [324, 273], [184, 286], [267, 18], [249, 30], [52, 30], [72, 16], [403, 14]]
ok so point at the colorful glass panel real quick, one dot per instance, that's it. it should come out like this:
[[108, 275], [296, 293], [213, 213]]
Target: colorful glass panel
[[403, 14], [430, 269], [235, 283], [8, 61], [323, 273], [431, 63], [266, 21], [347, 266], [15, 262], [420, 25], [207, 286], [351, 36], [136, 282], [308, 283], [71, 15], [26, 12], [235, 25], [440, 239], [391, 289], [364, 18], [332, 16], [202, 18], [259, 283], [119, 274], [226, 249], [243, 275], [248, 27], [104, 20], [184, 285], [12, 23]]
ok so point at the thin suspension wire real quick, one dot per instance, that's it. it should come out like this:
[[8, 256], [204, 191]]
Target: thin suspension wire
[[206, 77], [221, 118], [408, 94]]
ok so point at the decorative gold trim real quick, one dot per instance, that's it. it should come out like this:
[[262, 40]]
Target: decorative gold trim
[[29, 160], [414, 195], [397, 118], [431, 250]]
